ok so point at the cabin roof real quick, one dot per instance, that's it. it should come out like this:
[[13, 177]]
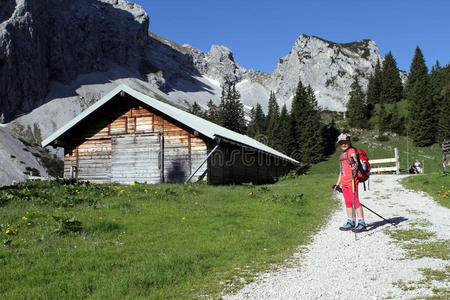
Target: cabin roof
[[205, 127]]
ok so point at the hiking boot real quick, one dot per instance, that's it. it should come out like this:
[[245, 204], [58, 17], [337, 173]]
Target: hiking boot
[[362, 226], [348, 226]]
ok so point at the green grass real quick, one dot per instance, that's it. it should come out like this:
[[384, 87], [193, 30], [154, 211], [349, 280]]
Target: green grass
[[430, 156], [152, 241], [435, 249], [430, 275], [438, 275], [411, 234], [436, 185]]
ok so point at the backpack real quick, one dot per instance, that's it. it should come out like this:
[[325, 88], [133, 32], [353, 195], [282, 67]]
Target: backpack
[[363, 165], [363, 171]]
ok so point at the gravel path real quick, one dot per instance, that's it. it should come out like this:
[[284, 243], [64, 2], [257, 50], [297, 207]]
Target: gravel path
[[336, 266]]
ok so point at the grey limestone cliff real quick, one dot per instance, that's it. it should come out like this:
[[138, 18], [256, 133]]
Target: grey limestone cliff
[[51, 40], [16, 163], [328, 67]]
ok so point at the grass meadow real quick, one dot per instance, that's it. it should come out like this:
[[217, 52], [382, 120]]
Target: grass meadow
[[172, 241], [167, 241], [437, 185]]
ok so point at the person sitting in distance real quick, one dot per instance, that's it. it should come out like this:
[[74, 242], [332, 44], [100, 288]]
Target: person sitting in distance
[[418, 167], [412, 169]]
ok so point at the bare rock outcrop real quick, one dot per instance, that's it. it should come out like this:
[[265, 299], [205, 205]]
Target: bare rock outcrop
[[327, 66], [50, 40], [16, 162]]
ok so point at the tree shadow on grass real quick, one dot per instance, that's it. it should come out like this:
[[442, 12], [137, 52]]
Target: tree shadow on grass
[[395, 220]]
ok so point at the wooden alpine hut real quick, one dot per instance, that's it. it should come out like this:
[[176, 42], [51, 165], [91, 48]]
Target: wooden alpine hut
[[128, 137]]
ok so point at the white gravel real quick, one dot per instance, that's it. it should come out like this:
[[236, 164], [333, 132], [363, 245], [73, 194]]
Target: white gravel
[[336, 266]]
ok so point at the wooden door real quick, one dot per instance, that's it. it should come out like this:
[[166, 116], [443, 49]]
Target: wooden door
[[136, 159]]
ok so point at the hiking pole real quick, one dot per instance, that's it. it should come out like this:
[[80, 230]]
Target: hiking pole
[[339, 189], [378, 214], [354, 209]]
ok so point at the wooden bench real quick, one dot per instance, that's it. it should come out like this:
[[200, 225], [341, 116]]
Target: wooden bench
[[395, 168]]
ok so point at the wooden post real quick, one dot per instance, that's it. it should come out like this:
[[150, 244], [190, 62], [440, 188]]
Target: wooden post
[[77, 153], [445, 152], [444, 161], [189, 153], [397, 162], [206, 159]]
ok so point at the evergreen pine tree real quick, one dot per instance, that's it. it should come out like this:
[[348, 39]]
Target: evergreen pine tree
[[374, 89], [195, 109], [284, 131], [273, 122], [231, 110], [314, 142], [422, 113], [298, 115], [443, 127], [421, 124], [436, 85], [256, 126], [251, 127], [213, 113], [356, 107], [391, 84], [417, 71], [305, 132]]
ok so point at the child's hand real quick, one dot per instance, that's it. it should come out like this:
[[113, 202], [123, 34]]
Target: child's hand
[[337, 188]]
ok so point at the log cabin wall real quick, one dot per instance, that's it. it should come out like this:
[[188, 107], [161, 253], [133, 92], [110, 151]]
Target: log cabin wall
[[126, 141], [235, 164]]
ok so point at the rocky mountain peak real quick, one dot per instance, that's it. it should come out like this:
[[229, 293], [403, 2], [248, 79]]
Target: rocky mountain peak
[[327, 66], [221, 65]]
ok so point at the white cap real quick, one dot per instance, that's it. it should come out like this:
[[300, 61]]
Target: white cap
[[343, 137]]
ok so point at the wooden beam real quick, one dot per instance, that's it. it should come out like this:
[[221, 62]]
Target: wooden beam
[[383, 169], [382, 161]]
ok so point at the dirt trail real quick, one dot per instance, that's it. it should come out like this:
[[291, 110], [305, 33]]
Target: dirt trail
[[336, 266]]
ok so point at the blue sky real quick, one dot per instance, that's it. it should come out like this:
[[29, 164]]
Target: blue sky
[[260, 32]]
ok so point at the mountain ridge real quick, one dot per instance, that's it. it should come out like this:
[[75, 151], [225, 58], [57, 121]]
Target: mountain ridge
[[52, 69]]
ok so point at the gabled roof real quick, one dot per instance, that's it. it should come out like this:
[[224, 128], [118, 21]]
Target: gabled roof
[[205, 127]]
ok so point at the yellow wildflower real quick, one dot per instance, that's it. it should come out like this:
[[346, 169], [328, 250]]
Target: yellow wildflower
[[8, 230], [114, 220], [196, 203], [228, 281], [28, 224], [250, 194], [24, 218], [248, 230], [100, 218], [183, 218], [122, 191], [146, 191]]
